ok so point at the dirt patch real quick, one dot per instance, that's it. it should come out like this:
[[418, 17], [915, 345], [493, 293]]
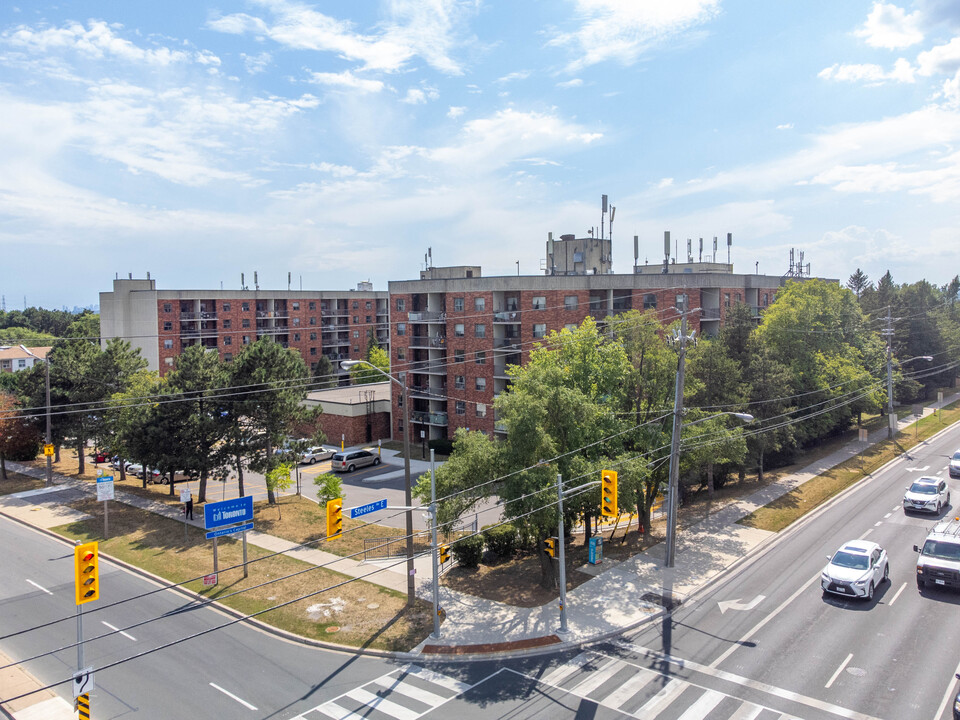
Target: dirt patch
[[16, 482]]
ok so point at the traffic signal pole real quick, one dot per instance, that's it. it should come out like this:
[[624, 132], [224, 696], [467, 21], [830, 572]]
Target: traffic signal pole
[[563, 565], [435, 549]]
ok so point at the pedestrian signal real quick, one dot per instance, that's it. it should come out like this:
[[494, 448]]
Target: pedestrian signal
[[444, 554], [334, 518], [86, 572], [550, 546], [608, 493]]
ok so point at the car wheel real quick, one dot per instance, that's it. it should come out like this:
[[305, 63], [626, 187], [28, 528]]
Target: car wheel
[[920, 584], [376, 461], [351, 468], [313, 461], [886, 572], [164, 480], [938, 508], [870, 591]]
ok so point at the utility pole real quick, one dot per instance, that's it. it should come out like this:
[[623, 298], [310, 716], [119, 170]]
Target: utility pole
[[887, 332], [436, 548], [562, 558], [673, 485], [49, 440]]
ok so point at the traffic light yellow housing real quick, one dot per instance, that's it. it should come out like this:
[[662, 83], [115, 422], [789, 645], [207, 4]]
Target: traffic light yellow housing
[[444, 554], [334, 518], [608, 494], [86, 572], [550, 545]]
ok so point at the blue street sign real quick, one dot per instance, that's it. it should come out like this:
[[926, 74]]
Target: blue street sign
[[229, 531], [369, 508], [227, 512]]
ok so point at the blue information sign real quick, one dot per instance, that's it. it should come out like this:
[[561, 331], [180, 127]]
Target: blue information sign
[[227, 512], [369, 508], [229, 531]]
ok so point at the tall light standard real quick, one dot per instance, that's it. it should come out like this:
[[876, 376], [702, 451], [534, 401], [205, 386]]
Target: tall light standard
[[674, 481], [407, 490], [891, 416]]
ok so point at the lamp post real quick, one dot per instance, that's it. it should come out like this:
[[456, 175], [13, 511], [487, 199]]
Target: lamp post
[[674, 481], [891, 416], [407, 490]]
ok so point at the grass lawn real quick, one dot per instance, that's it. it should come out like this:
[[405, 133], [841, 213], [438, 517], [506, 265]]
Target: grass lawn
[[357, 614], [16, 482]]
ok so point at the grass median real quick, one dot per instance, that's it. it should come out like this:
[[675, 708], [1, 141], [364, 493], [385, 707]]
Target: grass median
[[358, 614], [790, 507]]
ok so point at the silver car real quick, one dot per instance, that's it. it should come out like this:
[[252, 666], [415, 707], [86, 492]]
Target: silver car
[[315, 454], [353, 459]]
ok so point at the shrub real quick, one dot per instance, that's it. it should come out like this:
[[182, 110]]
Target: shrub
[[468, 551], [501, 540], [442, 446]]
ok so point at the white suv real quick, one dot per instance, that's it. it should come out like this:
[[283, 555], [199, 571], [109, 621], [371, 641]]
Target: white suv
[[855, 570], [927, 494]]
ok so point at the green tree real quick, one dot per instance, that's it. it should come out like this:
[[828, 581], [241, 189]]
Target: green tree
[[329, 487], [858, 282], [278, 479], [324, 374], [364, 374]]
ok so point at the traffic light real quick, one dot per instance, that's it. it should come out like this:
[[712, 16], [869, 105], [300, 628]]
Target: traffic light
[[86, 572], [444, 554], [608, 493], [550, 546], [334, 518]]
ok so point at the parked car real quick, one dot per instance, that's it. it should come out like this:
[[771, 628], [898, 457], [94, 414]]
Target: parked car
[[353, 459], [135, 469], [154, 477], [101, 456], [927, 494], [317, 453], [955, 465], [855, 570]]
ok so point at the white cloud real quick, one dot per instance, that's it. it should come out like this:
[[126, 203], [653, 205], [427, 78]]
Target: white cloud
[[890, 27], [951, 90], [940, 60], [574, 82], [622, 30], [869, 73], [455, 111], [510, 77], [347, 80], [665, 182], [419, 96], [256, 63], [785, 126]]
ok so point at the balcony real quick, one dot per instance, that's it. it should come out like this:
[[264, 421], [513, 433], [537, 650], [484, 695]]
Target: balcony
[[429, 418], [500, 427], [272, 314], [426, 316], [191, 332], [205, 315], [710, 313], [507, 316], [425, 341], [188, 316], [508, 343], [429, 366], [428, 392]]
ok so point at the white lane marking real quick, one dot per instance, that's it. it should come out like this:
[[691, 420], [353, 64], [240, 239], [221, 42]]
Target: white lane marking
[[887, 515], [902, 587], [747, 711], [567, 669], [231, 695], [897, 508], [633, 684], [596, 678], [947, 696], [116, 629], [839, 670], [663, 698], [763, 622], [865, 534], [442, 680], [707, 702], [41, 587], [878, 524]]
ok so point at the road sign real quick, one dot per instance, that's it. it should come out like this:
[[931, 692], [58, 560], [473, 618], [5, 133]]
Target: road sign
[[105, 488], [48, 450], [229, 530], [369, 508], [185, 495], [210, 580], [83, 682], [227, 512]]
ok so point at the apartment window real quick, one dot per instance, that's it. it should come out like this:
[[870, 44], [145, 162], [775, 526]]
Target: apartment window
[[167, 307], [228, 340], [227, 323], [540, 303], [726, 299], [368, 306], [228, 357], [400, 304], [312, 305], [167, 325], [296, 322], [356, 333], [356, 305], [313, 351], [738, 298], [649, 301], [765, 296], [481, 358], [458, 330], [245, 322], [401, 354], [356, 319], [296, 306], [168, 361], [246, 339], [401, 328], [400, 403], [570, 302], [481, 410], [296, 337], [313, 321], [479, 304], [458, 304], [245, 307], [459, 382], [481, 383], [461, 407], [225, 307], [540, 330], [313, 336], [168, 344], [356, 348], [458, 356]]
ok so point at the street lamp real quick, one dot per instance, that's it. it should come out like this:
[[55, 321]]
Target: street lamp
[[891, 416], [674, 480], [407, 490]]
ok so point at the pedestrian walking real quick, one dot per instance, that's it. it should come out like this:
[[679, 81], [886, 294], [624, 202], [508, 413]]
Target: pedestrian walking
[[189, 508]]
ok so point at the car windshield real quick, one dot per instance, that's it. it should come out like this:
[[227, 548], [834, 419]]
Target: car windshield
[[942, 550], [956, 456], [923, 489], [850, 560], [338, 456]]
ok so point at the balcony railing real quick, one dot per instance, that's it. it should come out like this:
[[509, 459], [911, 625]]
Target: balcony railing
[[428, 366], [508, 343], [427, 391], [710, 313], [507, 316], [500, 427], [188, 316], [436, 341], [206, 315], [426, 316], [429, 418]]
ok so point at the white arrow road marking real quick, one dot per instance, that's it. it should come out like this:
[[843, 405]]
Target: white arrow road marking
[[923, 469], [737, 605]]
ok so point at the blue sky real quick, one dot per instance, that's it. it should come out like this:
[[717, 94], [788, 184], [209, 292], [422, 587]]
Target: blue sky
[[339, 140]]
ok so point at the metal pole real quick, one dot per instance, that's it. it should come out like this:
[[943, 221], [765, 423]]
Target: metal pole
[[563, 559], [890, 412], [436, 548], [245, 553], [49, 435], [106, 525], [215, 564], [408, 496], [79, 630], [673, 484]]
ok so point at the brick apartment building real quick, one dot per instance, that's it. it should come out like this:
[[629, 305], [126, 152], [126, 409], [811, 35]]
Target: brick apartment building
[[163, 323], [454, 332]]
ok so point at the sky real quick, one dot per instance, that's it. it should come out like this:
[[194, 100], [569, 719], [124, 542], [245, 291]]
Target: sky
[[337, 141]]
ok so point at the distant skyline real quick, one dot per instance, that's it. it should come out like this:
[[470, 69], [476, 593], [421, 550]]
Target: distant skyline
[[338, 140]]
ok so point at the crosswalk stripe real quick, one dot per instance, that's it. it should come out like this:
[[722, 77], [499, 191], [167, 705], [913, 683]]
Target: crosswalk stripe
[[337, 712], [411, 691], [629, 688], [746, 711], [381, 703], [663, 698], [596, 678], [562, 672], [438, 679], [704, 704]]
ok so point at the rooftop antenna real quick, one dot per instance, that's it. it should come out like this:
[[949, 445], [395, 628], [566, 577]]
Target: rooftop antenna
[[700, 259], [613, 212], [289, 280], [666, 252], [242, 285], [603, 213], [256, 282], [729, 243], [714, 248], [689, 250], [636, 252], [430, 255]]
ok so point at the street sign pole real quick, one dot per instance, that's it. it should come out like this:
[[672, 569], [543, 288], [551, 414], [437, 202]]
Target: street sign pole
[[245, 553]]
